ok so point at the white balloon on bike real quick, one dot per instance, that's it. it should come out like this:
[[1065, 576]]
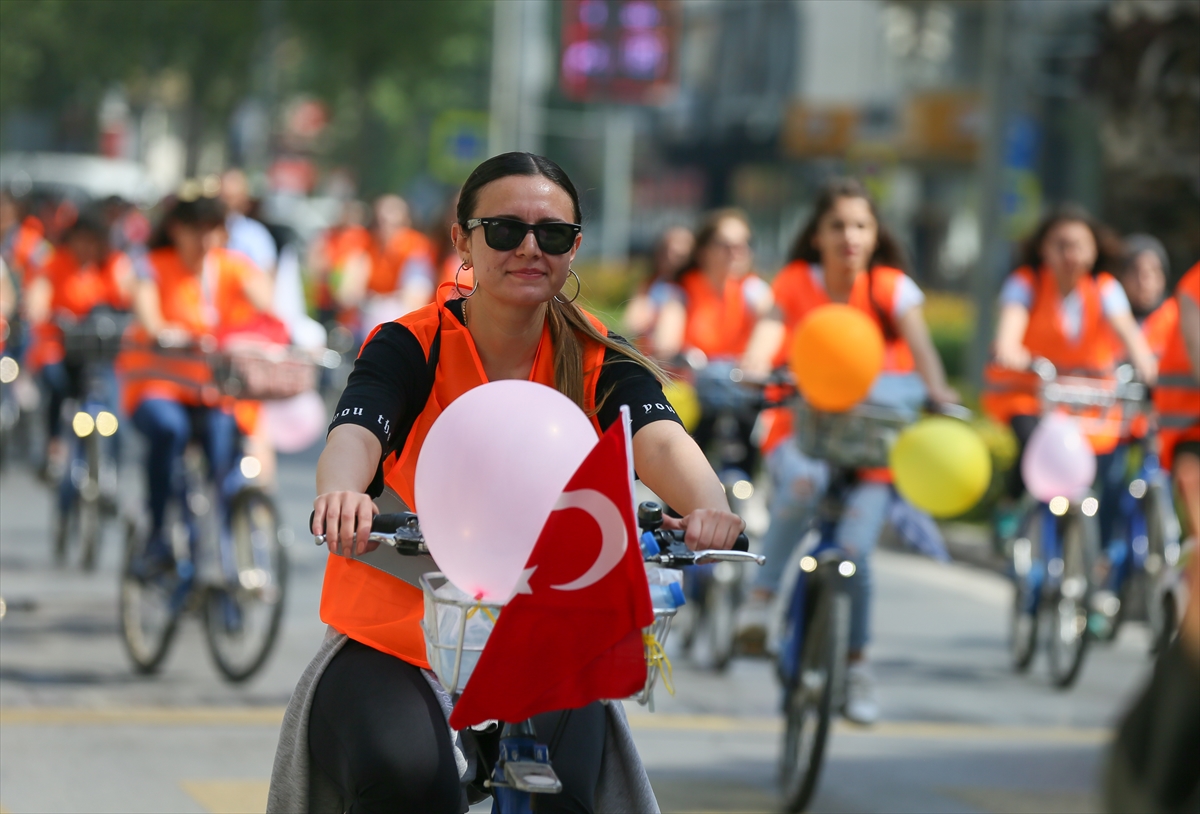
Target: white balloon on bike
[[490, 472], [1058, 460]]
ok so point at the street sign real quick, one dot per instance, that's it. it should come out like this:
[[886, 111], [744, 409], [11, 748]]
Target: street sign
[[458, 141], [618, 50]]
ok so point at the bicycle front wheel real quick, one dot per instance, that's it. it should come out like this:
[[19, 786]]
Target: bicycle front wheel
[[1027, 565], [242, 614], [808, 704], [149, 606], [91, 520], [1071, 597]]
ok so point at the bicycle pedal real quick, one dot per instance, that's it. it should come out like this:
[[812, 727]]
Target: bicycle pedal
[[532, 777]]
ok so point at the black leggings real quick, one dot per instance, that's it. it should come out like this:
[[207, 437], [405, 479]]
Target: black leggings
[[377, 732]]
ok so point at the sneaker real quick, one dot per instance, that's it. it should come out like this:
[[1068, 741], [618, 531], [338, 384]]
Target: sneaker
[[861, 707], [750, 626], [156, 560]]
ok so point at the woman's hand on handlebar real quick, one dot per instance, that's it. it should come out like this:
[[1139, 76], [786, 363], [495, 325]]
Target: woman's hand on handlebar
[[345, 520], [1016, 357], [708, 529]]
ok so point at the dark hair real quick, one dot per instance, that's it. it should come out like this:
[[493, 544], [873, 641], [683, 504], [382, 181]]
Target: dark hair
[[504, 165], [567, 321], [1109, 252], [88, 222], [708, 231], [204, 213], [888, 251], [1138, 244]]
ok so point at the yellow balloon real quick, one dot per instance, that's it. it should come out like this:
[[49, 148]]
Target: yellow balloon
[[941, 465], [683, 398]]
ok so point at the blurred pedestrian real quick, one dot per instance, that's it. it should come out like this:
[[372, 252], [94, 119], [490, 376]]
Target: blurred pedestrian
[[1154, 763], [671, 253], [246, 235]]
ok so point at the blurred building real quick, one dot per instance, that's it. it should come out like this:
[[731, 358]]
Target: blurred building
[[1095, 101]]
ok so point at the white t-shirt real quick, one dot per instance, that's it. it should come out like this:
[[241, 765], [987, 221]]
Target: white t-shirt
[[908, 294], [1019, 290]]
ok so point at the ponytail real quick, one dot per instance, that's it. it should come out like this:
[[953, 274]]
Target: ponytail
[[568, 324]]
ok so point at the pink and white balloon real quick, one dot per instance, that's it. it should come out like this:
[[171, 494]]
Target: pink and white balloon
[[490, 471], [297, 423], [1058, 460]]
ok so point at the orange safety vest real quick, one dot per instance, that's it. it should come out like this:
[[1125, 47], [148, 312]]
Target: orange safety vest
[[76, 290], [1009, 393], [1177, 395], [370, 605], [798, 293], [199, 303], [28, 247], [718, 322], [401, 247]]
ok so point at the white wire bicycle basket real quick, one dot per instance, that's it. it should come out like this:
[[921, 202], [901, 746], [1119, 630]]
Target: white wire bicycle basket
[[456, 631], [859, 437], [457, 628]]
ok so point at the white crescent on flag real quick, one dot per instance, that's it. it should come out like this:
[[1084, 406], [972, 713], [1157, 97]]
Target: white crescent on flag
[[613, 538]]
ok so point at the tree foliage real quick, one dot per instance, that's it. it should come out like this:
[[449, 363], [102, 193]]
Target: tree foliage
[[384, 67]]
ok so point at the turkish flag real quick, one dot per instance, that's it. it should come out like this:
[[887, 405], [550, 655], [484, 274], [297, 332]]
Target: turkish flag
[[572, 633]]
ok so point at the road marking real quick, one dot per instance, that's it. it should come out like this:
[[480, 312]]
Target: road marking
[[228, 796], [141, 716], [886, 729]]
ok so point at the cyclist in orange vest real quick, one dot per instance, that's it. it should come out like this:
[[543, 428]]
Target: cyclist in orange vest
[[1177, 399], [713, 311], [196, 289], [395, 274], [671, 253], [1063, 306], [80, 275], [846, 254], [375, 724]]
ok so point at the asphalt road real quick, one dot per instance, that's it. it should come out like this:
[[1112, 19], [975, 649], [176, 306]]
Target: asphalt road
[[961, 733]]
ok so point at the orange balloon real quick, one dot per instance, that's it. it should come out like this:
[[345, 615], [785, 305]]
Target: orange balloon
[[836, 354]]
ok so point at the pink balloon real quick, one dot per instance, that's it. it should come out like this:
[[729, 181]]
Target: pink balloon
[[1058, 460], [297, 423], [491, 469]]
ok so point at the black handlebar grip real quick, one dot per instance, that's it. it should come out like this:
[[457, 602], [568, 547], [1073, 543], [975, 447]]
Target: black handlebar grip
[[742, 543], [389, 523]]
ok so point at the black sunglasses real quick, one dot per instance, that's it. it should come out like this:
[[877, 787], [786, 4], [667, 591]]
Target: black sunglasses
[[505, 234]]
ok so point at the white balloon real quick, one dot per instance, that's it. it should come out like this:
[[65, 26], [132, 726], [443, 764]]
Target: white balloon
[[489, 473]]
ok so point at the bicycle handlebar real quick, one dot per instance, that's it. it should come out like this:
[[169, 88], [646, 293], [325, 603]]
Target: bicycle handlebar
[[402, 531]]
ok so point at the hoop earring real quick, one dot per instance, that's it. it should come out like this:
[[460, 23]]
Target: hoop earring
[[458, 290], [578, 288]]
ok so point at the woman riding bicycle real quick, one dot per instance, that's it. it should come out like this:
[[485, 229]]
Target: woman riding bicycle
[[844, 254], [197, 289], [82, 274], [721, 302], [375, 730], [1061, 305], [672, 251]]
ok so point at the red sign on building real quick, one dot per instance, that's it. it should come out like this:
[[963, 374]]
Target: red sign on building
[[618, 50]]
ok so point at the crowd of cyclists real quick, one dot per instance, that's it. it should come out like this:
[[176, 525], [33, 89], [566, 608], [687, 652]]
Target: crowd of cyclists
[[202, 267]]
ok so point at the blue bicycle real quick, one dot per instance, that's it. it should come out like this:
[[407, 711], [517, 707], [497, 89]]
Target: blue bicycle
[[521, 766], [1055, 554], [1147, 543], [88, 487]]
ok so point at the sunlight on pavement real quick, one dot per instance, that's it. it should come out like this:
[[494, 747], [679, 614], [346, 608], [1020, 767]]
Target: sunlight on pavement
[[228, 796]]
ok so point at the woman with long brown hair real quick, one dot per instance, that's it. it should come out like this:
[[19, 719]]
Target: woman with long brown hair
[[375, 730], [846, 254]]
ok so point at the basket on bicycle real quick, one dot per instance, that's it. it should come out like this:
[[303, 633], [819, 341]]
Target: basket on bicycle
[[263, 372], [95, 338], [457, 628], [858, 438]]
